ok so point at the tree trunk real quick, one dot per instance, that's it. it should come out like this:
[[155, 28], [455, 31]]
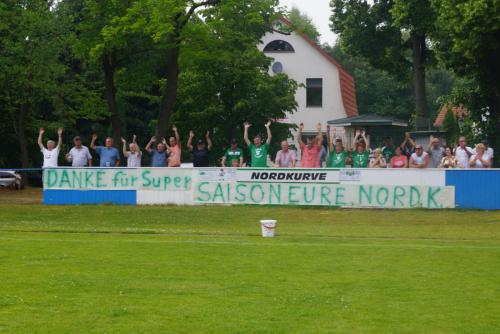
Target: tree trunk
[[109, 67], [418, 55], [170, 92], [23, 142]]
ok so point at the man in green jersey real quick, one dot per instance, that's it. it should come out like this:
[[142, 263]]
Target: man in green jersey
[[257, 149], [360, 150], [233, 157], [337, 156], [388, 151]]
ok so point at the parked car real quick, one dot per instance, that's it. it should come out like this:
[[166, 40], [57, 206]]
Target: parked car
[[10, 179]]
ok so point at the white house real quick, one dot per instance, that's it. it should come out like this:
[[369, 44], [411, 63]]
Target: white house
[[328, 91]]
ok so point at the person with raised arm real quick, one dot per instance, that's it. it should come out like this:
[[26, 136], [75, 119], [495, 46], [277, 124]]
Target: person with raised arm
[[310, 150], [109, 156], [51, 152], [174, 149], [201, 153], [79, 155], [435, 151], [338, 155], [134, 155], [159, 154], [408, 145], [360, 150], [258, 151]]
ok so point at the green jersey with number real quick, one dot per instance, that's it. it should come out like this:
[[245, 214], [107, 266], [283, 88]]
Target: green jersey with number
[[259, 155], [233, 155], [388, 152], [336, 160], [360, 160]]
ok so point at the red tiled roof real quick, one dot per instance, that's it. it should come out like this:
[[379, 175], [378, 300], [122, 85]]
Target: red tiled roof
[[347, 84], [460, 111]]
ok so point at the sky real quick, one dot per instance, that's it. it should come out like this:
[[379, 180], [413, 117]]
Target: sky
[[319, 11]]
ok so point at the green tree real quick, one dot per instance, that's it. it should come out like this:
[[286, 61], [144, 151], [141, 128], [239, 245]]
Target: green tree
[[391, 35], [168, 23], [467, 39], [37, 85], [450, 125], [303, 23]]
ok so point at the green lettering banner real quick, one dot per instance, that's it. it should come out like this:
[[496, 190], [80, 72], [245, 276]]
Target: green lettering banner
[[354, 196], [117, 179]]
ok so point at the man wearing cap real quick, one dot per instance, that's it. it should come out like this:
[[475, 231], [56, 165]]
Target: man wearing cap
[[233, 157], [338, 155], [435, 151], [79, 155], [201, 153], [419, 159]]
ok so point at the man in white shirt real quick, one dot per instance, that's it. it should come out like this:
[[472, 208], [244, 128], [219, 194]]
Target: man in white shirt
[[79, 155], [463, 153], [51, 153]]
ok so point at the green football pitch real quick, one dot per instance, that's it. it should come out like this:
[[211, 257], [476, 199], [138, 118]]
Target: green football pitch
[[109, 269]]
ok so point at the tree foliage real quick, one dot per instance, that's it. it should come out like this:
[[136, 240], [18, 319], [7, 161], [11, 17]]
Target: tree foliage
[[467, 40], [391, 35], [105, 66], [303, 23]]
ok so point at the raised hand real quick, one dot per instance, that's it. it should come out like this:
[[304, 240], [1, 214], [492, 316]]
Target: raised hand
[[94, 136], [174, 128], [407, 135], [123, 140], [358, 132], [301, 126], [318, 126], [134, 138], [164, 141], [191, 134], [207, 134], [153, 139], [247, 125], [41, 131], [59, 131], [268, 124]]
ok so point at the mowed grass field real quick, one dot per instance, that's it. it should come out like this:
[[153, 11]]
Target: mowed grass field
[[110, 269]]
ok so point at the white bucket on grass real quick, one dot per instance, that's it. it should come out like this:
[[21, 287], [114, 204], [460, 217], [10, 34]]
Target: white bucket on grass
[[268, 227]]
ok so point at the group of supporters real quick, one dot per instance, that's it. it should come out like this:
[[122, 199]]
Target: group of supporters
[[337, 153]]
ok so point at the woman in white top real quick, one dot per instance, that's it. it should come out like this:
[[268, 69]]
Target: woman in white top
[[133, 156], [378, 160], [479, 160], [51, 153]]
